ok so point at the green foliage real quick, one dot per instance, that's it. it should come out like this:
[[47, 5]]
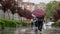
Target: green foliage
[[24, 23], [8, 23], [12, 23], [56, 24], [51, 8]]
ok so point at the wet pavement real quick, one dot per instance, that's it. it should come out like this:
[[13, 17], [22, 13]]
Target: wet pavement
[[44, 31], [29, 30]]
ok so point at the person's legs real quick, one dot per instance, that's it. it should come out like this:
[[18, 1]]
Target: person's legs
[[36, 28], [40, 25]]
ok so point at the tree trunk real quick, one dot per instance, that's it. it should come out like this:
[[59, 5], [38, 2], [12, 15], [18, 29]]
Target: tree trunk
[[8, 15]]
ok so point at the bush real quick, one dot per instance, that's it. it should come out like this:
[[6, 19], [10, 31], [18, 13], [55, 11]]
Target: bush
[[12, 23], [8, 23], [24, 23], [56, 24]]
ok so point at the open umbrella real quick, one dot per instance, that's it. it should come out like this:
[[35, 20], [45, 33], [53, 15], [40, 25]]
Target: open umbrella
[[39, 13]]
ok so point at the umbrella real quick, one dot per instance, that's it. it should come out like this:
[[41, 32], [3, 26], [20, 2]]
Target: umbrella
[[39, 13]]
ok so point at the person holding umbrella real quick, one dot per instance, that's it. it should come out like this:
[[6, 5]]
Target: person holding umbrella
[[38, 15]]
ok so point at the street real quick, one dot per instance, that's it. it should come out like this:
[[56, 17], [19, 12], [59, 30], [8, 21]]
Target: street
[[29, 30]]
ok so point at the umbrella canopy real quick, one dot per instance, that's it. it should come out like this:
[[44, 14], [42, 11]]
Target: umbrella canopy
[[39, 13]]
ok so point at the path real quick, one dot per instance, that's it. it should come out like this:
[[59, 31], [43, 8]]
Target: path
[[48, 30]]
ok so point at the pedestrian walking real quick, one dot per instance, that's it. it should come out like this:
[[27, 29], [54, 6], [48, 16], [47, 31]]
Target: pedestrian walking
[[38, 19]]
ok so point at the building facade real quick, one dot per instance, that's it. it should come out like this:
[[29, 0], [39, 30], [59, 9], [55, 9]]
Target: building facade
[[28, 6], [41, 5]]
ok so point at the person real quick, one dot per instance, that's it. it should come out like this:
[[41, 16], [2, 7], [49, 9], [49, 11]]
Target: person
[[38, 22], [38, 15]]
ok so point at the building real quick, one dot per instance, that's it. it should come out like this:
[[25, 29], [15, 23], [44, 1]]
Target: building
[[16, 16], [29, 6], [41, 5], [1, 12]]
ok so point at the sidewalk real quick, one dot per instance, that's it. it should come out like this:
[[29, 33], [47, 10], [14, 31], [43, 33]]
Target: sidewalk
[[48, 30], [26, 31], [31, 31]]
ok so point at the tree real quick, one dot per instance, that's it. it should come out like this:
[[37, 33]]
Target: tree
[[13, 6], [51, 8], [9, 5], [56, 15], [25, 13]]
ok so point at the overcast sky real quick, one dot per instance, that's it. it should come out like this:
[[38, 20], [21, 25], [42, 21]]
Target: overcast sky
[[38, 1]]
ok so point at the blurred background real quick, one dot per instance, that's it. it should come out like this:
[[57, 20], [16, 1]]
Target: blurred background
[[16, 15]]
